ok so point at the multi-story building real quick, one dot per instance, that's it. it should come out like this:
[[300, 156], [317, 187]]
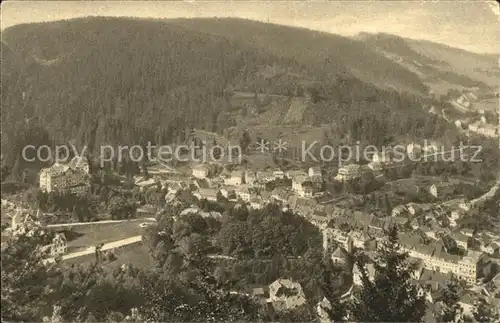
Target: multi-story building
[[279, 174], [471, 96], [79, 162], [331, 235], [72, 177], [467, 231], [314, 171], [349, 172], [228, 191], [287, 294], [235, 179], [376, 167], [461, 239], [58, 245], [306, 186], [265, 176], [487, 130], [281, 194], [466, 268], [294, 173], [297, 183], [210, 194], [491, 248], [256, 202], [201, 171], [243, 193], [250, 177]]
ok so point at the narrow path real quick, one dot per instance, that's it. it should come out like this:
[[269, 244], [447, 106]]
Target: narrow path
[[62, 225], [488, 195], [107, 246]]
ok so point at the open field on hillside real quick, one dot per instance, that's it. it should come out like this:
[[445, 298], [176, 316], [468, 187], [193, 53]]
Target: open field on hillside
[[82, 238], [136, 255]]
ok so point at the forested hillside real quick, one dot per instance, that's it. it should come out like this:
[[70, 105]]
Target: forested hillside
[[330, 52], [100, 81], [439, 66]]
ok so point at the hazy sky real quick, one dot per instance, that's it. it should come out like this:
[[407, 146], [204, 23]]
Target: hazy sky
[[472, 25]]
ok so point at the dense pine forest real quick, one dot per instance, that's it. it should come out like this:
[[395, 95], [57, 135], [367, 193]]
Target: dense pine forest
[[117, 81]]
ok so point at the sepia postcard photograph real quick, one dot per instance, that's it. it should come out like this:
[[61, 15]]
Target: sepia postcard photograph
[[250, 161]]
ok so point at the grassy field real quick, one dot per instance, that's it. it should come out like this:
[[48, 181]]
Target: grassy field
[[82, 238], [136, 255]]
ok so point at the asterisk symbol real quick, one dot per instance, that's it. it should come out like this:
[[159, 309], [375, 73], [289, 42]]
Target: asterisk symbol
[[262, 146], [280, 146]]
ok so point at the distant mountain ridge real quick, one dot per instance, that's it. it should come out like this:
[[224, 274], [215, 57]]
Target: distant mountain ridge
[[441, 67]]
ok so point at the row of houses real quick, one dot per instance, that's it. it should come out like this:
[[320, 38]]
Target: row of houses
[[469, 267], [488, 123], [368, 229], [382, 159], [249, 185]]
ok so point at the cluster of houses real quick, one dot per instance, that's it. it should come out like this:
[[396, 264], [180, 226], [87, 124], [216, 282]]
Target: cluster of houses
[[435, 248], [468, 255], [384, 159], [485, 123], [249, 186], [433, 267], [434, 254], [438, 250], [464, 102], [24, 223]]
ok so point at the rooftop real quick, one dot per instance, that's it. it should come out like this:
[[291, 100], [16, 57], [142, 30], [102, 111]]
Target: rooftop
[[202, 167], [58, 169], [435, 276], [351, 168], [340, 253], [301, 178], [78, 162], [237, 174], [458, 236], [208, 191]]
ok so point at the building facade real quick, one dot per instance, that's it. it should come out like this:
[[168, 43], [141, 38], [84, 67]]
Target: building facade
[[72, 177], [58, 245], [349, 172], [201, 171]]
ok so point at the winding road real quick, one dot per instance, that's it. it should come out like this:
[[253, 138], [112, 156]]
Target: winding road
[[488, 195], [76, 224]]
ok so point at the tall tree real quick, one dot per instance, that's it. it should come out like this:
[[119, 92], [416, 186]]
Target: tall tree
[[451, 311], [485, 312], [245, 141], [336, 310], [390, 296], [26, 279]]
